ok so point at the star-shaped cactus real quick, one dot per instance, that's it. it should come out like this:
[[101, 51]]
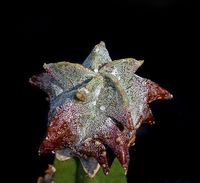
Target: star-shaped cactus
[[96, 106]]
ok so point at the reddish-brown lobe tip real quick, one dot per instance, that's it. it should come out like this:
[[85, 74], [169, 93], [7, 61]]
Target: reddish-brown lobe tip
[[155, 92], [46, 147]]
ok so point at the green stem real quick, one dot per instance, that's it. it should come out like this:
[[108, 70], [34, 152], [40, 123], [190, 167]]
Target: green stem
[[71, 171]]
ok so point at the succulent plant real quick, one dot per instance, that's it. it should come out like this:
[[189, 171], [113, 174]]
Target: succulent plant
[[95, 106]]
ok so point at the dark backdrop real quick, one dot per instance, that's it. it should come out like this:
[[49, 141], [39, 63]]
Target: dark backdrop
[[163, 33]]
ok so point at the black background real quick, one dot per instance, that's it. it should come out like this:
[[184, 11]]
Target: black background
[[163, 33]]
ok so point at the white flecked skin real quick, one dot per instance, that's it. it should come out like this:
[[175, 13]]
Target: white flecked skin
[[100, 103]]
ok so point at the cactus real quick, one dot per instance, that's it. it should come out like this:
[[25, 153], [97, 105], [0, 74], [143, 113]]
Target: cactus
[[94, 107]]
